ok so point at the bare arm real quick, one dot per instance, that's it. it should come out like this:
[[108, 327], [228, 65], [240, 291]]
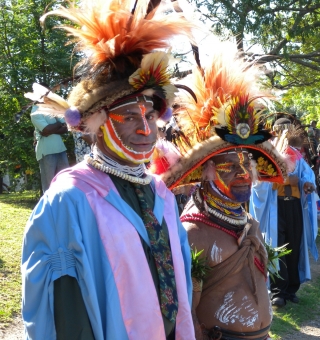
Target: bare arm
[[56, 128]]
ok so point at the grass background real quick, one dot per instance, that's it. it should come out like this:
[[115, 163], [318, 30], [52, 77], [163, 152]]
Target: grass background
[[15, 209], [291, 317]]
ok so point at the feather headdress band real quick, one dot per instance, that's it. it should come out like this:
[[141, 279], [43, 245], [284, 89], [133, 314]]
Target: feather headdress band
[[227, 116], [120, 45]]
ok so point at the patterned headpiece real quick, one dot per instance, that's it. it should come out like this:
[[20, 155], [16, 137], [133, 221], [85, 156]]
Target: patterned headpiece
[[119, 44], [227, 116]]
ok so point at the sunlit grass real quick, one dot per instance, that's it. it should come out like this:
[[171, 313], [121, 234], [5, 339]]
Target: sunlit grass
[[15, 209], [293, 316]]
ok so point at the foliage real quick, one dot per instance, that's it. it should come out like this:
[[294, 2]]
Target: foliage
[[199, 266], [274, 255], [30, 54], [305, 102], [280, 35], [15, 209]]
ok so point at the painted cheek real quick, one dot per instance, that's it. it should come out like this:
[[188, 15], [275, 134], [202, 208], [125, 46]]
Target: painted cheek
[[220, 183], [245, 173], [146, 131], [222, 186], [116, 118]]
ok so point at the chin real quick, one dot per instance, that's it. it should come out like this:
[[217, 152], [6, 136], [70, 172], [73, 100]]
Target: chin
[[240, 197]]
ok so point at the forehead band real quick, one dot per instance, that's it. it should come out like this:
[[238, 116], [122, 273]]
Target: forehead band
[[131, 100]]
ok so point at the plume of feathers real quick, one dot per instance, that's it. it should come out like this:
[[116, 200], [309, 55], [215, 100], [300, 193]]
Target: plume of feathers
[[113, 37], [49, 102], [227, 92]]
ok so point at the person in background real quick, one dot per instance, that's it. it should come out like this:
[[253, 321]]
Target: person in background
[[104, 253], [314, 136], [288, 215], [82, 145], [50, 149]]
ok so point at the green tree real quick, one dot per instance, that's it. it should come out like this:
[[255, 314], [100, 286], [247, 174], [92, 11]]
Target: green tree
[[283, 37], [285, 31], [29, 53]]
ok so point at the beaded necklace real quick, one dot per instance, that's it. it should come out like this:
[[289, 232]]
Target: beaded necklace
[[109, 170], [200, 217], [241, 219], [137, 171], [227, 208]]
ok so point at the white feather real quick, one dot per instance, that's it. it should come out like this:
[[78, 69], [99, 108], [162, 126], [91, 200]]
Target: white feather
[[96, 120], [40, 93]]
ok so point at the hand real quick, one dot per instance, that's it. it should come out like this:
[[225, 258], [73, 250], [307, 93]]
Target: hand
[[308, 188]]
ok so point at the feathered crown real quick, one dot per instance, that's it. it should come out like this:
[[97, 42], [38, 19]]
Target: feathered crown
[[119, 44], [227, 115]]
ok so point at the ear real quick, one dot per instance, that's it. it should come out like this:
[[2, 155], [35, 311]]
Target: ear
[[209, 171], [99, 132]]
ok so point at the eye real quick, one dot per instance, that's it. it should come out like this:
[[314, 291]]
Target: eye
[[150, 116], [129, 119]]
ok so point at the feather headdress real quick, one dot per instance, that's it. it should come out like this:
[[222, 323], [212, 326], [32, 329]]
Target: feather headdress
[[227, 115], [118, 42]]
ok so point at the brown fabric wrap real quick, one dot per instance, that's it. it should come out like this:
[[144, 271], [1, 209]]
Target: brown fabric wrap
[[249, 246]]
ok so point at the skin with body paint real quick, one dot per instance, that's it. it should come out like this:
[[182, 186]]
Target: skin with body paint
[[231, 304], [234, 175], [130, 133]]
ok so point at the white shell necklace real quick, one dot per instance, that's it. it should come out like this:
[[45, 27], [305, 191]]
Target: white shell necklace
[[109, 166]]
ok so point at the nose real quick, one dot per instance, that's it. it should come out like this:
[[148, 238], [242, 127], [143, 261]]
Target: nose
[[242, 172], [145, 129]]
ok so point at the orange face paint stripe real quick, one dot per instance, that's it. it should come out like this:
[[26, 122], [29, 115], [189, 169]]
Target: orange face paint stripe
[[221, 185], [146, 130], [117, 118], [245, 171]]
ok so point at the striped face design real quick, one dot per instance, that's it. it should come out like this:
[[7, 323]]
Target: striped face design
[[131, 131], [233, 175]]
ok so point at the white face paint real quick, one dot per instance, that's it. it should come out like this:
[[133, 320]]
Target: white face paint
[[229, 312], [216, 253]]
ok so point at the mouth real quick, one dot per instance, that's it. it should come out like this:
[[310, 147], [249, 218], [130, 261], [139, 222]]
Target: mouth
[[142, 147], [241, 186]]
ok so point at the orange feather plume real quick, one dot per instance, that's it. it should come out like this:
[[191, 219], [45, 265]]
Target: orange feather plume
[[218, 87], [108, 32]]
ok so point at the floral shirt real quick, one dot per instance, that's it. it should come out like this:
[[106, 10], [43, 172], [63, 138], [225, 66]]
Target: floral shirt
[[81, 147]]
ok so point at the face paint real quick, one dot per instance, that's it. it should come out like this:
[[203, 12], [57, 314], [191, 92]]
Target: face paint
[[233, 177], [127, 119], [245, 173], [146, 131]]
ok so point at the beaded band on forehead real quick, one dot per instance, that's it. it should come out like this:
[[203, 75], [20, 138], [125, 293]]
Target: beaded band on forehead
[[131, 100]]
